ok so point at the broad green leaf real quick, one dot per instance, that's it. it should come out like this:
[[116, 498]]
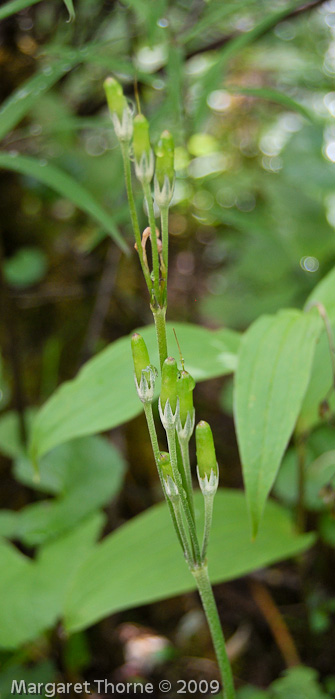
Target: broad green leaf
[[103, 394], [10, 8], [20, 102], [33, 592], [141, 562], [65, 185], [273, 371], [86, 473], [272, 95], [213, 77]]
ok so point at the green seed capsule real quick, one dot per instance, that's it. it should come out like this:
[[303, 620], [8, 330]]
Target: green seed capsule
[[116, 100], [185, 386], [169, 383], [165, 159], [140, 355], [141, 140], [206, 456]]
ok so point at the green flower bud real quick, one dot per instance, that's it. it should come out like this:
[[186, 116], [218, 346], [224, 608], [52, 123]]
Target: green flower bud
[[144, 157], [115, 98], [164, 171], [141, 140], [169, 384], [119, 110], [185, 386], [170, 486], [206, 456], [164, 158], [140, 355]]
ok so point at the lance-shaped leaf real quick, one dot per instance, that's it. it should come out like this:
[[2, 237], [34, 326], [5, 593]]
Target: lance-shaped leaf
[[66, 186], [273, 370]]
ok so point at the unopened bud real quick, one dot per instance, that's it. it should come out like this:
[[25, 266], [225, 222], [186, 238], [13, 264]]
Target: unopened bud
[[164, 170], [206, 457], [140, 354], [169, 383], [144, 158], [185, 387], [145, 374], [165, 468], [119, 110]]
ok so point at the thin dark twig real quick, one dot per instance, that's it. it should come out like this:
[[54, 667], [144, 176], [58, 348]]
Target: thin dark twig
[[219, 43]]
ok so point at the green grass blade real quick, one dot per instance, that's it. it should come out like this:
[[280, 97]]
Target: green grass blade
[[66, 186], [267, 93], [10, 8], [21, 101], [213, 77]]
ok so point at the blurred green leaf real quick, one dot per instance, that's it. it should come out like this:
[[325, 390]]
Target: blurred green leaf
[[86, 473], [66, 185], [298, 683], [10, 440], [33, 592], [273, 370], [324, 293], [103, 394], [21, 101], [44, 671], [150, 567], [28, 266]]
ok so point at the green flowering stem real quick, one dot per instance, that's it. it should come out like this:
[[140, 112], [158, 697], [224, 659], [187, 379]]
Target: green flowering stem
[[153, 237], [171, 438], [209, 500], [165, 238], [156, 451], [201, 577], [133, 212], [159, 318]]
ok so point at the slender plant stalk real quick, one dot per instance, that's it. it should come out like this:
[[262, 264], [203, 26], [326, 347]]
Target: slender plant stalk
[[209, 500], [185, 455], [133, 212], [154, 247], [165, 237], [179, 519], [156, 451], [171, 437], [159, 318], [208, 602]]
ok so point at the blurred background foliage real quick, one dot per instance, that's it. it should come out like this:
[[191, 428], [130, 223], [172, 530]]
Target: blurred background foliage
[[247, 89]]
